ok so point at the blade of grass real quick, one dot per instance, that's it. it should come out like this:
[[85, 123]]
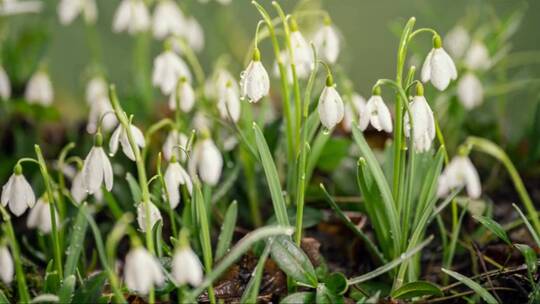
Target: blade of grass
[[252, 289], [76, 243], [481, 291], [528, 224], [227, 230]]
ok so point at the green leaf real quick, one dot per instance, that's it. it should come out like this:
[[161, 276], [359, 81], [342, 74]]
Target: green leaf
[[227, 230], [134, 188], [52, 281], [3, 298], [272, 177], [45, 298], [76, 242], [481, 291], [66, 290], [303, 297], [494, 227], [326, 296], [337, 283], [528, 224], [530, 257], [252, 289], [91, 289], [293, 261], [416, 289], [156, 231]]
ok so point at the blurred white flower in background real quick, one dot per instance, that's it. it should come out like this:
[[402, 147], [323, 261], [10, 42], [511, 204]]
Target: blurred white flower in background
[[39, 89], [302, 53], [477, 57], [457, 41], [142, 271], [172, 145], [229, 104], [194, 34], [154, 213], [207, 161], [379, 114], [7, 268], [355, 110], [327, 42], [120, 136], [470, 91], [184, 95], [460, 172], [5, 85], [68, 10], [168, 19], [40, 216], [17, 193], [15, 7], [131, 16], [97, 96], [167, 70], [186, 267]]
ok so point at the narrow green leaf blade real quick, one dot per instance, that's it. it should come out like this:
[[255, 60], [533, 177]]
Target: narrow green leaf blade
[[494, 227], [530, 257], [252, 289], [66, 290], [227, 230], [416, 289], [91, 289], [303, 297], [481, 291], [76, 242]]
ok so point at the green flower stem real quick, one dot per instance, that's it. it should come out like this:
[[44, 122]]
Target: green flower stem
[[61, 178], [24, 296], [490, 148], [284, 84], [50, 196], [141, 170], [167, 201]]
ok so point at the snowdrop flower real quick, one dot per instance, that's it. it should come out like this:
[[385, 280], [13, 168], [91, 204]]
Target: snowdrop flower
[[470, 91], [184, 95], [194, 34], [331, 109], [131, 16], [6, 265], [302, 53], [378, 113], [201, 122], [477, 57], [40, 217], [95, 89], [18, 193], [171, 146], [97, 168], [423, 122], [155, 215], [5, 85], [97, 96], [168, 19], [457, 41], [460, 172], [186, 267], [216, 86], [254, 81], [175, 176], [68, 10], [14, 7], [229, 104], [326, 40], [120, 136], [142, 271], [356, 107], [168, 68], [438, 67], [78, 190], [39, 89], [207, 161]]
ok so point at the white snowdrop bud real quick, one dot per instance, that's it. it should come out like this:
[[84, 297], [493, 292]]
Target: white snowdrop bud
[[155, 215], [423, 122], [331, 109], [457, 41], [470, 91], [120, 136], [355, 110], [39, 89], [183, 95], [131, 16], [40, 217], [167, 70], [5, 85], [477, 57], [97, 168], [17, 193], [68, 10], [302, 53], [206, 161], [379, 115], [326, 40], [254, 80], [168, 19], [142, 271], [6, 265], [186, 267], [175, 175], [460, 172], [438, 67]]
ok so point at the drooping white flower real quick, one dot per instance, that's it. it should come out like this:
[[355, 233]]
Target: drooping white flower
[[14, 7], [207, 161], [477, 57], [6, 265], [379, 114], [457, 41], [254, 80], [5, 85], [78, 190], [168, 68], [68, 10], [40, 217], [216, 86], [155, 215], [184, 94], [423, 124], [39, 89], [229, 104], [438, 67], [97, 96], [460, 172], [355, 110], [470, 91], [142, 271], [201, 122], [170, 147], [120, 136], [186, 267], [97, 169], [302, 53], [131, 16], [175, 176], [18, 193], [96, 88], [331, 109], [168, 19], [194, 34], [326, 40]]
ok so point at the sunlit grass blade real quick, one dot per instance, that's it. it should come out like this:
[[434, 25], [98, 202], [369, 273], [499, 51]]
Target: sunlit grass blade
[[227, 230], [481, 291]]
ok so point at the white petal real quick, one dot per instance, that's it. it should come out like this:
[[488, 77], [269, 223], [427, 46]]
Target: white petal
[[154, 213], [426, 67], [93, 170], [6, 265], [107, 170], [115, 139]]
